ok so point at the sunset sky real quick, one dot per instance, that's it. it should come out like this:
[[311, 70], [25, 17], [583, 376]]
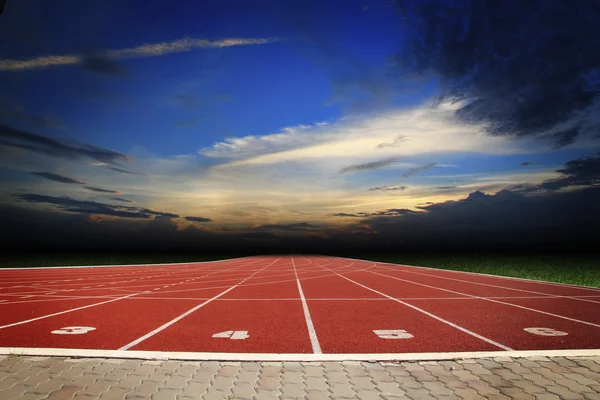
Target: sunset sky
[[295, 118]]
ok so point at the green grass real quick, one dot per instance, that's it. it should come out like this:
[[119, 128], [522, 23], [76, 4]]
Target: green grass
[[578, 269]]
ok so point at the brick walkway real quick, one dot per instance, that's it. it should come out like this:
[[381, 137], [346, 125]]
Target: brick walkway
[[486, 378]]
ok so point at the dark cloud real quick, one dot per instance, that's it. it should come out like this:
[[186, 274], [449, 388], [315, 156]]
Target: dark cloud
[[582, 172], [198, 219], [525, 163], [57, 178], [122, 199], [400, 139], [100, 63], [369, 166], [388, 212], [100, 190], [295, 227], [389, 188], [121, 170], [14, 112], [15, 138], [416, 170], [446, 187], [92, 207], [521, 67]]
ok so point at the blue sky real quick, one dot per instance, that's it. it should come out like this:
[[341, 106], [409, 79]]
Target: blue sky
[[304, 113]]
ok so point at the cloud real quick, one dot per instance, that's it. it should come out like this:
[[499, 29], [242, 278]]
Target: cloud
[[142, 51], [57, 178], [295, 227], [122, 199], [352, 140], [198, 219], [10, 137], [525, 163], [100, 63], [388, 212], [369, 166], [15, 112], [582, 172], [414, 171], [121, 170], [397, 141], [92, 207], [446, 187], [523, 69], [389, 188], [100, 190]]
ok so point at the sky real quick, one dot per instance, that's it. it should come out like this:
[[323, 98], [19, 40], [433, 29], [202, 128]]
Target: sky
[[299, 124]]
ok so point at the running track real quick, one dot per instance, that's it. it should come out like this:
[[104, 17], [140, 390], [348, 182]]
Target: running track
[[291, 305]]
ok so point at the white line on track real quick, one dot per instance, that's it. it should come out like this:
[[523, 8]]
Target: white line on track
[[492, 300], [185, 314], [484, 284], [460, 328], [314, 340], [64, 312], [541, 282], [307, 357]]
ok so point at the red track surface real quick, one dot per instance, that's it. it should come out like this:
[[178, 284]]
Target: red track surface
[[292, 305]]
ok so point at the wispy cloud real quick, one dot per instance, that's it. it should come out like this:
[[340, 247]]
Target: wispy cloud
[[369, 166], [57, 178], [100, 190], [389, 188], [15, 112], [416, 170], [122, 199], [198, 219], [142, 51]]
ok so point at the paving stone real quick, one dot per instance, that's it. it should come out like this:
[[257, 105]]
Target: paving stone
[[115, 393], [362, 383], [563, 392], [165, 394], [418, 394], [268, 383], [292, 390], [97, 388], [317, 395], [468, 393], [316, 384], [391, 389], [65, 393], [243, 390], [368, 395]]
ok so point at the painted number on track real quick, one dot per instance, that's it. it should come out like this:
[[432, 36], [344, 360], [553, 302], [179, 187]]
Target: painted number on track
[[393, 334], [545, 332], [73, 330], [233, 335]]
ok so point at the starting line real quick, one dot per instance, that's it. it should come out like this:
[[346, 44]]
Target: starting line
[[270, 357]]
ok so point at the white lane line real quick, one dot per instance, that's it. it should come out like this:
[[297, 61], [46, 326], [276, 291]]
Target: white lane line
[[486, 284], [65, 312], [539, 281], [314, 341], [188, 312], [460, 328], [492, 300], [129, 265], [299, 357]]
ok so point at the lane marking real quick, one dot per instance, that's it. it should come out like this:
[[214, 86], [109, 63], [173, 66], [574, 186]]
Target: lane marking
[[73, 330], [188, 312], [128, 265], [306, 357], [460, 328], [233, 335], [545, 332], [541, 282], [314, 340], [393, 334], [487, 284], [67, 311], [492, 300]]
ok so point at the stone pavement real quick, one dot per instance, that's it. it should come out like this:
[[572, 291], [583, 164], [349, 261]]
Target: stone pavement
[[539, 378]]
